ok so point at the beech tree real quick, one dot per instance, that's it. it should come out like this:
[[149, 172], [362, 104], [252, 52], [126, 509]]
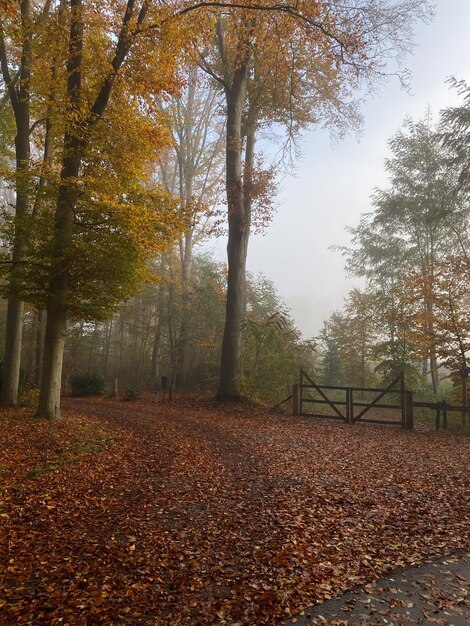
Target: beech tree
[[193, 171], [16, 74], [144, 56], [294, 63], [449, 295], [348, 339], [454, 132], [87, 199], [421, 216], [273, 349]]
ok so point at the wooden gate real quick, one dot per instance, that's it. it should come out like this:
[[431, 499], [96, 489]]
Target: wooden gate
[[349, 407]]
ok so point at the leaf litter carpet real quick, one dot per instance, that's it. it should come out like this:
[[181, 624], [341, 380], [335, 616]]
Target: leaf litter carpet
[[182, 513]]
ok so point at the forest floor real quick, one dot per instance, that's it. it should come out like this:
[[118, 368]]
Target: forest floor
[[185, 513]]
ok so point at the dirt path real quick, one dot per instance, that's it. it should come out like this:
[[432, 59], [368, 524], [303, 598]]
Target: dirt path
[[435, 593]]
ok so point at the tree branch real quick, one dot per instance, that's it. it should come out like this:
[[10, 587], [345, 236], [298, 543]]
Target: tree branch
[[278, 7], [205, 67], [33, 127], [9, 83], [122, 48]]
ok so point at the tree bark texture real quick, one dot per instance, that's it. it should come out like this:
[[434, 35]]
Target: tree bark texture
[[39, 346], [20, 100], [186, 266], [76, 138], [237, 246], [49, 395]]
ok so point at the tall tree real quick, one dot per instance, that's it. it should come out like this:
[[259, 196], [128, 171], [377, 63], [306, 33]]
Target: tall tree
[[291, 65], [449, 295], [17, 82], [422, 214], [192, 170], [454, 132], [95, 64]]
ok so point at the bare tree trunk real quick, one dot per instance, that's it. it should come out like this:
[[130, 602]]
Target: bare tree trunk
[[154, 367], [434, 373], [247, 204], [20, 100], [238, 232], [121, 348], [76, 138], [464, 399], [172, 339], [39, 347], [92, 348], [363, 360], [156, 354], [49, 396], [108, 335], [186, 267], [424, 368]]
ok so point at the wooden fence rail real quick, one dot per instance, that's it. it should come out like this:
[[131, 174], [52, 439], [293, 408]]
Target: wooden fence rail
[[442, 410], [344, 409]]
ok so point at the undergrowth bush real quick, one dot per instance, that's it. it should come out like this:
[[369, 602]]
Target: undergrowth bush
[[131, 395], [86, 385], [28, 397]]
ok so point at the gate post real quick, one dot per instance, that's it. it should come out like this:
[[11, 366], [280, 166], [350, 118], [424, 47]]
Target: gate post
[[409, 410], [296, 399], [349, 406], [444, 414]]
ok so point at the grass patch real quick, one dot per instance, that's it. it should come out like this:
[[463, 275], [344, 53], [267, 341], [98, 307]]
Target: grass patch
[[90, 445]]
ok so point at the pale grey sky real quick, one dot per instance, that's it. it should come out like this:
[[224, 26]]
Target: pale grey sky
[[333, 183]]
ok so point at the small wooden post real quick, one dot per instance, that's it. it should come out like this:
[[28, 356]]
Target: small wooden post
[[296, 399], [438, 416], [409, 419], [349, 406], [172, 386], [444, 414], [164, 384]]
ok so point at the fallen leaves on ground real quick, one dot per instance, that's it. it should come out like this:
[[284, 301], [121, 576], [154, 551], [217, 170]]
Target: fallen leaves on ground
[[185, 513]]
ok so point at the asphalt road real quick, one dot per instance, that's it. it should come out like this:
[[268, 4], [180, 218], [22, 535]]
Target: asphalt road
[[434, 593]]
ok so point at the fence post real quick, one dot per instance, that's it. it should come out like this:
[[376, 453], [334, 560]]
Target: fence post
[[444, 414], [349, 406], [164, 385], [409, 418], [296, 409], [438, 415]]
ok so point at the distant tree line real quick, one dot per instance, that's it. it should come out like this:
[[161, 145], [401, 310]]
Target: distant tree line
[[412, 251]]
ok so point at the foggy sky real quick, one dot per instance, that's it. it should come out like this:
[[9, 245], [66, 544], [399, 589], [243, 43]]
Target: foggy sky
[[333, 183]]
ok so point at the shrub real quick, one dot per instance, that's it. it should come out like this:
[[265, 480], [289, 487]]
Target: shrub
[[131, 395], [86, 385], [28, 397]]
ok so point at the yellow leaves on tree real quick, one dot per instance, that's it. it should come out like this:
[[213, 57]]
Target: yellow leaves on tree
[[121, 218], [437, 301]]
